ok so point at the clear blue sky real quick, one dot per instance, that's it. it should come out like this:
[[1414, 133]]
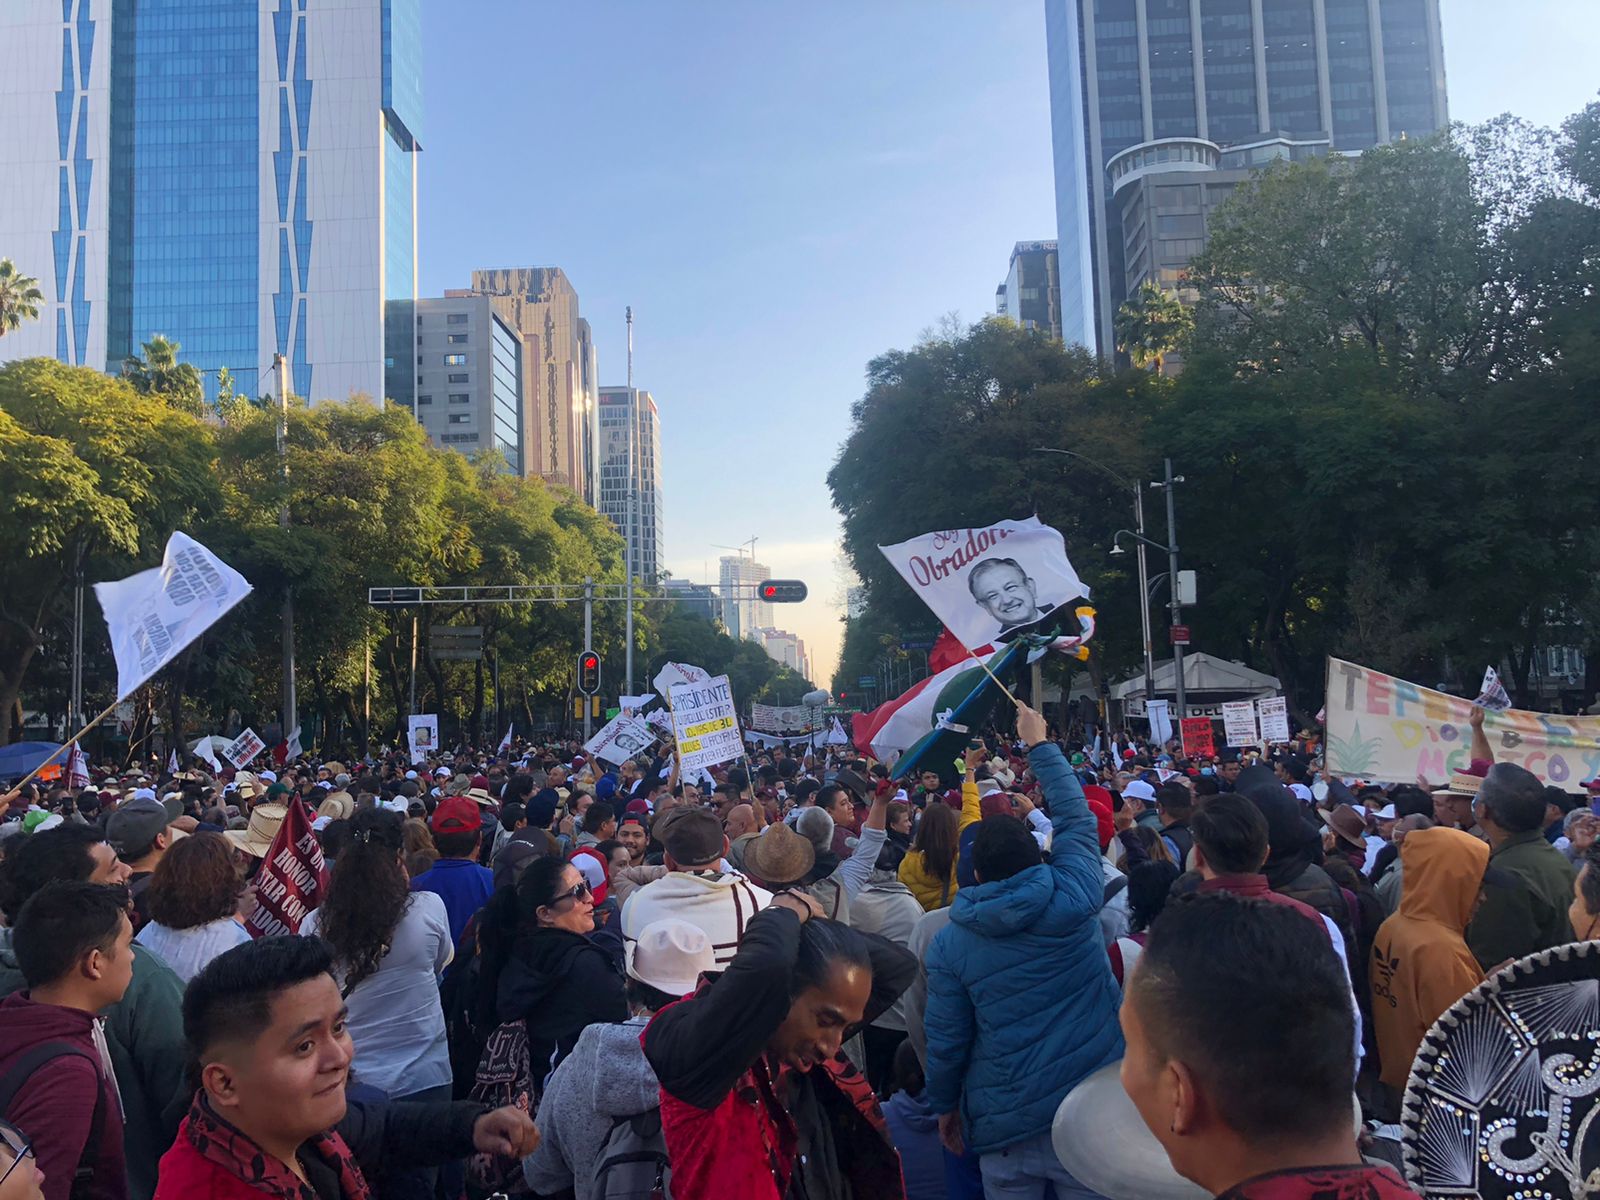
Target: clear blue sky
[[783, 191]]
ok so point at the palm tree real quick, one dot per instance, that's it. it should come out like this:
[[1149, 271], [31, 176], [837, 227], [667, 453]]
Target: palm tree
[[159, 373], [20, 297], [1151, 325]]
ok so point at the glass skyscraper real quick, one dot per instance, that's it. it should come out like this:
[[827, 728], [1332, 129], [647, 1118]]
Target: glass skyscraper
[[237, 175], [1195, 94]]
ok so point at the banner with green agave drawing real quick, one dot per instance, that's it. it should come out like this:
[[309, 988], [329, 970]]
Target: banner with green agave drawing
[[1386, 729]]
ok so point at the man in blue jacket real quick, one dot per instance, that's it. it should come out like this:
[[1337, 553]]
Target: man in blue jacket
[[1022, 1005]]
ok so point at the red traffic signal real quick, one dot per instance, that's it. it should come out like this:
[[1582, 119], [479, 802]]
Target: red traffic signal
[[781, 591], [588, 672]]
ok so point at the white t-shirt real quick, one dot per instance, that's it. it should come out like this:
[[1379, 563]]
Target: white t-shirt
[[187, 951], [396, 1018]]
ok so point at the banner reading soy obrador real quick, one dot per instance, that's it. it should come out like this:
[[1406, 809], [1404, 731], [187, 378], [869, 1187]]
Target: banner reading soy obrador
[[706, 724], [1390, 730]]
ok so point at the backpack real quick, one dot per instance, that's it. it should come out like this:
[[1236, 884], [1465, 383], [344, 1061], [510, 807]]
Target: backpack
[[632, 1163], [504, 1077], [1112, 889], [23, 1069]]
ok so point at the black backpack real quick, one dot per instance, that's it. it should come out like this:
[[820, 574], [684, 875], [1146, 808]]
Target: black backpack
[[23, 1069], [632, 1163]]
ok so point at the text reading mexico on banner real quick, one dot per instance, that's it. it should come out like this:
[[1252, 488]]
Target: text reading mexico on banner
[[988, 585], [706, 724], [1387, 729]]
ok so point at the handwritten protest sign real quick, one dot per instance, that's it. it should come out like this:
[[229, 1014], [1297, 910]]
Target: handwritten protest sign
[[1387, 729], [1197, 737], [243, 748], [706, 724]]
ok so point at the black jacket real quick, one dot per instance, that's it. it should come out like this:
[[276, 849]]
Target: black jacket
[[390, 1136], [558, 982]]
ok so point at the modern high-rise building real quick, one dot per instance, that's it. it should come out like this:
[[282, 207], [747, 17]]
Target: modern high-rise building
[[630, 473], [1173, 95], [1031, 294], [469, 378], [541, 304], [742, 613], [237, 175], [697, 598], [786, 648]]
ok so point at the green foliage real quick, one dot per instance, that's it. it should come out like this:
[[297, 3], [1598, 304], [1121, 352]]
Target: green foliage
[[158, 372], [1152, 325], [688, 637], [1385, 422], [20, 297]]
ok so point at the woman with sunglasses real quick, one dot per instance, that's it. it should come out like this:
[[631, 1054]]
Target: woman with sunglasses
[[20, 1177], [540, 965]]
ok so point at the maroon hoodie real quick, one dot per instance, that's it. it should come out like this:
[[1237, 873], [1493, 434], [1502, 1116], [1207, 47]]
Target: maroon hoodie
[[55, 1107]]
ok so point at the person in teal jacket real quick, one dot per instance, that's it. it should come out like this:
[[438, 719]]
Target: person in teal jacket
[[1022, 1005]]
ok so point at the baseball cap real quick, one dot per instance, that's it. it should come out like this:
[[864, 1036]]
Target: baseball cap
[[411, 774], [1139, 790], [691, 835], [134, 825], [455, 814]]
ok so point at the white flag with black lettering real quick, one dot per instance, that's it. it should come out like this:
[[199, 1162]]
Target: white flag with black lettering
[[153, 615]]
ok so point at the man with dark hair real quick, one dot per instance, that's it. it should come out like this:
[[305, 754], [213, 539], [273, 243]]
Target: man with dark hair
[[1175, 805], [1021, 999], [1530, 915], [142, 1030], [266, 1025], [837, 801], [464, 886], [1230, 845], [1228, 768], [1247, 1104], [141, 831], [75, 947], [599, 824]]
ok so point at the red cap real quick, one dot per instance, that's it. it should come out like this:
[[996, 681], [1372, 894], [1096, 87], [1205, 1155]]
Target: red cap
[[1130, 754], [1100, 804], [1593, 785], [456, 814], [638, 806]]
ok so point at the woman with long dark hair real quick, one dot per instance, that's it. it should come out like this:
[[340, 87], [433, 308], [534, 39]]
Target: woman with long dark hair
[[539, 965], [929, 867], [389, 945]]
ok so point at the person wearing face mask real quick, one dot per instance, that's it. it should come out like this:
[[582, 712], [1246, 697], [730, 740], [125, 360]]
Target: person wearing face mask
[[539, 964]]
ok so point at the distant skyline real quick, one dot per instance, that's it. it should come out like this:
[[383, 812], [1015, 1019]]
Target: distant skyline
[[784, 193]]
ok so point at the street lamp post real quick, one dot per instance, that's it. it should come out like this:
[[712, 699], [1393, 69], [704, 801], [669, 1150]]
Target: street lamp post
[[1144, 571], [1171, 551]]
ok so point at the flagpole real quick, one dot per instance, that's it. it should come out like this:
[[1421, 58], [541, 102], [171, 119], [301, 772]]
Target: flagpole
[[67, 745]]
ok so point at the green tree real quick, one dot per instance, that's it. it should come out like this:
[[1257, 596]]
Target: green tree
[[159, 373], [20, 297], [1150, 325]]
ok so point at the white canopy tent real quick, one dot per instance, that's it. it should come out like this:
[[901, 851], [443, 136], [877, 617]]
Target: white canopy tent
[[1202, 674]]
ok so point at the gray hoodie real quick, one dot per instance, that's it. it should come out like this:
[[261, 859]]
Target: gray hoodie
[[605, 1077]]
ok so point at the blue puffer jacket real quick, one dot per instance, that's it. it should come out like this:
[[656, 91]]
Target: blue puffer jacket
[[1021, 1001]]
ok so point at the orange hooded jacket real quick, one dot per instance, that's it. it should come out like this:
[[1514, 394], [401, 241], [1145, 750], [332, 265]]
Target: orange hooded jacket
[[1420, 961]]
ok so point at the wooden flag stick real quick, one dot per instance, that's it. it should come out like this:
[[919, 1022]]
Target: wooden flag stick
[[993, 676], [67, 746]]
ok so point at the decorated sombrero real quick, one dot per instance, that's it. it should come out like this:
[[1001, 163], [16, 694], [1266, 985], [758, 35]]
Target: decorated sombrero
[[1504, 1095]]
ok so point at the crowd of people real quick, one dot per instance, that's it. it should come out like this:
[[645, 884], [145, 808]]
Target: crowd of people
[[793, 977]]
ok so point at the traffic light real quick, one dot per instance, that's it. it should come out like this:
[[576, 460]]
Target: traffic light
[[588, 672], [781, 591]]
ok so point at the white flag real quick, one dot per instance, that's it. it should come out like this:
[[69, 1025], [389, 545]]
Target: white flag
[[291, 749], [674, 673], [836, 734], [153, 615], [1493, 695], [205, 748], [988, 585], [505, 742], [172, 761], [77, 768]]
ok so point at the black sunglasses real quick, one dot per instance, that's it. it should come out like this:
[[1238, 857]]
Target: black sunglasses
[[19, 1145], [583, 889]]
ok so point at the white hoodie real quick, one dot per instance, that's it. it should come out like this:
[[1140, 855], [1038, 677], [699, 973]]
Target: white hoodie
[[720, 903]]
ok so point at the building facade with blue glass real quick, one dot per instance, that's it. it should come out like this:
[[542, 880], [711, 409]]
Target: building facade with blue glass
[[1150, 97], [237, 175]]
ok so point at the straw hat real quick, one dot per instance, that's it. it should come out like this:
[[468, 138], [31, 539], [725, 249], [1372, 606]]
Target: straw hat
[[248, 785], [337, 806], [779, 856], [256, 838], [482, 796], [1461, 784]]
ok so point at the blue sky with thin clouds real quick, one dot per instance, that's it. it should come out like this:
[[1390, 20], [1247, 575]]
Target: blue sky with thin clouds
[[782, 192]]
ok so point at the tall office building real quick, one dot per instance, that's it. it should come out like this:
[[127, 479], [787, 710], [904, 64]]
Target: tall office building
[[742, 613], [1174, 95], [1031, 293], [237, 175], [469, 378], [786, 648], [697, 598], [541, 304], [630, 472]]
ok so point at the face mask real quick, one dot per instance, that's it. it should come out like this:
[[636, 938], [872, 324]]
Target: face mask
[[1207, 771]]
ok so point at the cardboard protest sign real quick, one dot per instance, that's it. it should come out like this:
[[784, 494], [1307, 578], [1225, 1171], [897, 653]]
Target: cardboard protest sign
[[1239, 723], [1274, 713], [153, 615], [293, 878], [243, 748], [1160, 722], [422, 731], [620, 739], [1197, 738], [706, 723], [1387, 729], [988, 585], [672, 673]]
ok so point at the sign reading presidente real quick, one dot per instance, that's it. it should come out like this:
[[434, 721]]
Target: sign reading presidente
[[705, 723], [1386, 729], [987, 585]]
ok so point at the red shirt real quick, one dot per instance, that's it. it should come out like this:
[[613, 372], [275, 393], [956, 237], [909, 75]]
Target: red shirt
[[1254, 887]]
